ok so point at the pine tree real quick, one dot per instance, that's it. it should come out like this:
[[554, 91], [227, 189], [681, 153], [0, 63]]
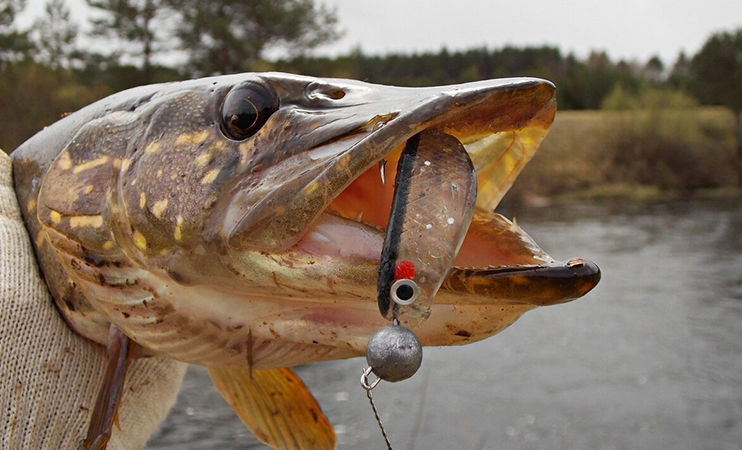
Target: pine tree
[[14, 44], [56, 36], [227, 36], [717, 71], [133, 23]]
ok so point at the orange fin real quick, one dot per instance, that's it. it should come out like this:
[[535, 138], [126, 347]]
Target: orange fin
[[277, 407], [105, 412]]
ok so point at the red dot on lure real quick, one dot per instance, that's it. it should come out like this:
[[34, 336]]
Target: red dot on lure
[[404, 270]]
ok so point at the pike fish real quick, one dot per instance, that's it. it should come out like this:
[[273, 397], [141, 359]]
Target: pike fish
[[237, 222]]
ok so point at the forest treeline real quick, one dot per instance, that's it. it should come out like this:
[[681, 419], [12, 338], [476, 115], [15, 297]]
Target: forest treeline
[[51, 68]]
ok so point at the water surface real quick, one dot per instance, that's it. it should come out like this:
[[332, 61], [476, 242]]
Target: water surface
[[651, 359]]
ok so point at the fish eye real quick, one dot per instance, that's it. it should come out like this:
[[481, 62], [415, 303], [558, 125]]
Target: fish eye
[[245, 110]]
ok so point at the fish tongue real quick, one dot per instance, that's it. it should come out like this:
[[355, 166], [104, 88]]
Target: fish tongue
[[347, 240], [433, 204]]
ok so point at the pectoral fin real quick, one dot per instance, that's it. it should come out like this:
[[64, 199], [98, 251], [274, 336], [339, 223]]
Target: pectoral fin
[[277, 407], [107, 404]]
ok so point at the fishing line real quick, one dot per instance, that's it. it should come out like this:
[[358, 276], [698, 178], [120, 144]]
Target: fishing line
[[432, 206], [368, 388], [394, 352]]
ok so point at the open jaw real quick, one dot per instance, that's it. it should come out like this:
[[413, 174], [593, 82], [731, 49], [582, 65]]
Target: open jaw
[[498, 262]]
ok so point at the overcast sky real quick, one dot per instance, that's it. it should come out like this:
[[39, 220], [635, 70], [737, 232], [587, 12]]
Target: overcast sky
[[626, 29]]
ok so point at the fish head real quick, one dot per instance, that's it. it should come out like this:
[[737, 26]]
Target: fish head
[[242, 217]]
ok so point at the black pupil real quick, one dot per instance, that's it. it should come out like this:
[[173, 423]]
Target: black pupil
[[243, 115], [245, 110], [405, 292]]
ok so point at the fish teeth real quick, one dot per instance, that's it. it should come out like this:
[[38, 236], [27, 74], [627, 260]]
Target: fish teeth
[[514, 226], [382, 170]]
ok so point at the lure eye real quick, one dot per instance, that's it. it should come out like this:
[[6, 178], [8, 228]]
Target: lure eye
[[404, 292], [245, 110]]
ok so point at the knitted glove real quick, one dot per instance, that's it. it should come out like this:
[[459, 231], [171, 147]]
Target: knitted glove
[[50, 376]]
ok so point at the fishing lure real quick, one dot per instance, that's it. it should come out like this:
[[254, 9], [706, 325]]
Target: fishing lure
[[435, 191], [434, 195]]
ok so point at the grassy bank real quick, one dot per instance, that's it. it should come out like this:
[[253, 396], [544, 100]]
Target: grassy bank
[[633, 155]]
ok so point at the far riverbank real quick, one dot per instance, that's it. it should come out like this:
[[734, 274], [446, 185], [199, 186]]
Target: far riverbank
[[635, 155]]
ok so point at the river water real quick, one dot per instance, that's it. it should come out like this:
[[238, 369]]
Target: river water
[[651, 359]]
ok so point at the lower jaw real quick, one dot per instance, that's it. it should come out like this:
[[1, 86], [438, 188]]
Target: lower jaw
[[265, 332], [309, 307], [499, 264]]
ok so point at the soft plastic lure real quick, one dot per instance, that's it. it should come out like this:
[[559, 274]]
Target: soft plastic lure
[[434, 195]]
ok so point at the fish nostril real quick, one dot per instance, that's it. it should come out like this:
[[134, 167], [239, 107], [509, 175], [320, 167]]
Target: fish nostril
[[336, 95], [327, 95], [317, 91]]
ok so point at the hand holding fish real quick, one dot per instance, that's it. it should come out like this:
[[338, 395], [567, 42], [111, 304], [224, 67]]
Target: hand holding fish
[[50, 374]]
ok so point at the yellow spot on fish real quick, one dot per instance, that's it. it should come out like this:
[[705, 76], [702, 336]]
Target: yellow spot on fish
[[200, 137], [152, 147], [86, 221], [55, 217], [183, 139], [40, 239], [159, 207], [177, 234], [140, 241], [192, 139], [31, 205], [210, 176], [203, 159], [117, 163], [88, 189], [108, 245], [142, 200], [125, 165], [91, 164], [311, 187], [245, 152], [342, 164], [64, 162], [159, 173]]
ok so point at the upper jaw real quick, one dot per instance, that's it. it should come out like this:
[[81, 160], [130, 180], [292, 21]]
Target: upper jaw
[[331, 143]]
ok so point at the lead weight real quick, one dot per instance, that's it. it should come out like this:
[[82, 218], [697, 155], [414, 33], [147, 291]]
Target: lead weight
[[394, 353]]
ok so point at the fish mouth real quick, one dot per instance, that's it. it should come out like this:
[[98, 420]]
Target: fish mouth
[[328, 223]]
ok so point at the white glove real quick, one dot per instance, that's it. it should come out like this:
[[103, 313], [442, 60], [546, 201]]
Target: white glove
[[50, 376]]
